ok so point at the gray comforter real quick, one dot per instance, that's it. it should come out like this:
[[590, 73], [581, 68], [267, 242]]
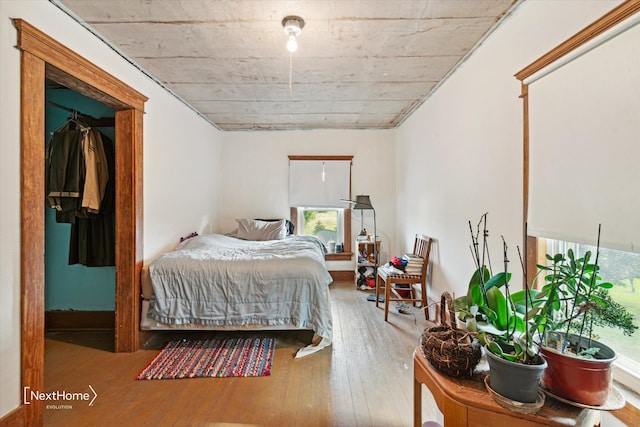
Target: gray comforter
[[217, 280]]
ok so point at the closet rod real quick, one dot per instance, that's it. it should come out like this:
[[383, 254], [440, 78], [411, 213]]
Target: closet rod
[[101, 122]]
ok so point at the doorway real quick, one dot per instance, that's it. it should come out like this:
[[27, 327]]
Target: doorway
[[42, 58], [80, 245]]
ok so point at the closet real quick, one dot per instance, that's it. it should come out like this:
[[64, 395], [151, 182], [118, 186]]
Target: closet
[[80, 274], [42, 57]]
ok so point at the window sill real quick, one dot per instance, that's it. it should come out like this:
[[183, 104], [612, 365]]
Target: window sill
[[342, 256], [631, 410]]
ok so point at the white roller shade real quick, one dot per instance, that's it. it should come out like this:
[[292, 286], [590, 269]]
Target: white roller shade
[[319, 183], [584, 147]]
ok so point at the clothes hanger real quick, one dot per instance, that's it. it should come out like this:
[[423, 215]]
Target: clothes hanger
[[75, 120]]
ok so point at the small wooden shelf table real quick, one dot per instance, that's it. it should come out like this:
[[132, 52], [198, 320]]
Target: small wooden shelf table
[[367, 247], [466, 402]]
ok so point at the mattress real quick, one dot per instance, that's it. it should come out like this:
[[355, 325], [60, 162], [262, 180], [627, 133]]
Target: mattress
[[216, 281]]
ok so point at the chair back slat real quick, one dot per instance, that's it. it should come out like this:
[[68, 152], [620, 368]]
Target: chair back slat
[[422, 248]]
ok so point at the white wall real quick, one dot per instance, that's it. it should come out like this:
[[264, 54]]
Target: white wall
[[256, 175], [182, 174], [181, 166], [460, 154]]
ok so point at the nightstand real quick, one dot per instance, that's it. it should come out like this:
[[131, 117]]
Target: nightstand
[[365, 268]]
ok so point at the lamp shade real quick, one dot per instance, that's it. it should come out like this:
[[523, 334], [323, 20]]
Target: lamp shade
[[363, 202]]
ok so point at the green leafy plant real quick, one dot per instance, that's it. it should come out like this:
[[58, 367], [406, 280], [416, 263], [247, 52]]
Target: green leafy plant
[[499, 318], [574, 298]]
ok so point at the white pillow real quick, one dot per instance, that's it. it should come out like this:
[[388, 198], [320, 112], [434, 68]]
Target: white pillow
[[253, 229]]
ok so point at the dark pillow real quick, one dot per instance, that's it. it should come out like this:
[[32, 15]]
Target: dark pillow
[[289, 224]]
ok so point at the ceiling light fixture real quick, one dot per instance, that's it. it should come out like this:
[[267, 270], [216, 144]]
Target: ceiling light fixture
[[292, 28]]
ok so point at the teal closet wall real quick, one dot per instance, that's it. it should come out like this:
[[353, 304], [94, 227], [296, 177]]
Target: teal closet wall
[[73, 287]]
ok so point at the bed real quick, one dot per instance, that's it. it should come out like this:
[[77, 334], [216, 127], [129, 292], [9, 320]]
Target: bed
[[216, 281]]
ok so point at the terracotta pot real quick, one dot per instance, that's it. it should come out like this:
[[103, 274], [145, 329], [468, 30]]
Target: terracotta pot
[[579, 380], [515, 381]]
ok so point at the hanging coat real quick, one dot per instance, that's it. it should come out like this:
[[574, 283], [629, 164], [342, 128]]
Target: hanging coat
[[92, 242], [65, 171], [80, 185], [96, 171]]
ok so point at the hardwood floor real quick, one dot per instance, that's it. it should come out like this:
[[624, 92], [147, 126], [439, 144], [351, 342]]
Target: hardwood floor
[[364, 379]]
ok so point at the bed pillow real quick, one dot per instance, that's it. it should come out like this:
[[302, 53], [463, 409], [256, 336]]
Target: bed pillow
[[290, 227], [252, 229]]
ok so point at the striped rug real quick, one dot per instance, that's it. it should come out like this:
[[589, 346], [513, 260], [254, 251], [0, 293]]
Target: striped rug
[[212, 358]]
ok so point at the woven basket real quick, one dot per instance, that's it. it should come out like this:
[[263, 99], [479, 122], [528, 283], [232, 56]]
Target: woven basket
[[449, 349]]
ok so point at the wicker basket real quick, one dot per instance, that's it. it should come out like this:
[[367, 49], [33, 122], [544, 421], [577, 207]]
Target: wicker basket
[[449, 349]]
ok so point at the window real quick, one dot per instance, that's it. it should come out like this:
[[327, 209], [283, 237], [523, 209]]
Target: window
[[622, 269], [316, 186], [327, 224]]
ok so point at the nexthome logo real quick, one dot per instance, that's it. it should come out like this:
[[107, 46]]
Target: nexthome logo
[[59, 395]]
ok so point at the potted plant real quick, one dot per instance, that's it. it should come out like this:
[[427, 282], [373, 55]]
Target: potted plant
[[500, 320], [574, 299]]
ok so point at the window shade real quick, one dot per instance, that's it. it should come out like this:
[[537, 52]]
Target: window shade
[[319, 183], [584, 147]]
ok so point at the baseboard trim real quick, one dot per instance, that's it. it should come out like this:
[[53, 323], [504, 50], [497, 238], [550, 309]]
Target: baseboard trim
[[342, 275], [70, 320], [14, 418]]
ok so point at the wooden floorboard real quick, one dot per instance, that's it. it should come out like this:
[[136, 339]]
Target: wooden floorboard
[[364, 379]]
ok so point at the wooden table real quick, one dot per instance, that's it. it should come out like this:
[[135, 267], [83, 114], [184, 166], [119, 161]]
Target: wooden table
[[466, 402]]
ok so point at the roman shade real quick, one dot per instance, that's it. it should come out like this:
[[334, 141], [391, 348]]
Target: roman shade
[[584, 143], [319, 183]]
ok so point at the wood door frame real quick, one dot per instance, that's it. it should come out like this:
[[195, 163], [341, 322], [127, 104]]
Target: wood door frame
[[43, 57]]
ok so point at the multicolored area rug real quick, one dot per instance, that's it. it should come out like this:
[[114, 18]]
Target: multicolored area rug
[[212, 358]]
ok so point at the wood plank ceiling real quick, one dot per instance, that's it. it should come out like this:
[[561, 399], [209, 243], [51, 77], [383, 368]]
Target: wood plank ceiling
[[360, 64]]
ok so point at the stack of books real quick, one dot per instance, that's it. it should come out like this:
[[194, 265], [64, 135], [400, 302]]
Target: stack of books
[[414, 264]]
